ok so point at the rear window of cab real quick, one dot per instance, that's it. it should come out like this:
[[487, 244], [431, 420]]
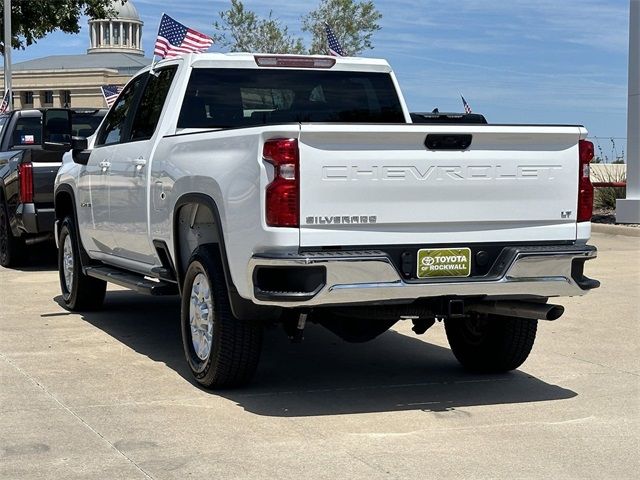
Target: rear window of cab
[[224, 98]]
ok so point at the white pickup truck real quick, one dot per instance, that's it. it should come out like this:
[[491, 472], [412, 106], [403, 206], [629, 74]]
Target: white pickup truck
[[267, 188]]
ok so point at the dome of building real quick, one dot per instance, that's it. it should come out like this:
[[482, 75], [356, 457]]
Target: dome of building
[[121, 34], [125, 12], [75, 81]]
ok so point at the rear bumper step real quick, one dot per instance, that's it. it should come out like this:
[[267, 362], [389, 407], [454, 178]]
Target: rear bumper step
[[34, 220], [132, 281], [371, 277]]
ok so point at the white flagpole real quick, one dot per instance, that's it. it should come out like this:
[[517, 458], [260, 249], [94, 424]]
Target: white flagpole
[[153, 60], [7, 52], [104, 96]]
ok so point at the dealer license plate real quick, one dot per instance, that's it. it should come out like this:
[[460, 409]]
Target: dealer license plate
[[444, 262]]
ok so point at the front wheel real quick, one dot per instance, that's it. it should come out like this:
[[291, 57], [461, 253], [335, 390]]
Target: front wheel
[[491, 343], [221, 350], [79, 291]]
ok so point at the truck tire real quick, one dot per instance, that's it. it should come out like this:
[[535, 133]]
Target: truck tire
[[491, 343], [221, 350], [11, 248], [79, 291]]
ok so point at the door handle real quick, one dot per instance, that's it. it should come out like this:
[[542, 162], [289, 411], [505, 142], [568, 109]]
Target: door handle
[[105, 165], [140, 162]]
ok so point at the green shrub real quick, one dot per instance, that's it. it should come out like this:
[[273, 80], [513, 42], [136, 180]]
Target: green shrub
[[605, 197]]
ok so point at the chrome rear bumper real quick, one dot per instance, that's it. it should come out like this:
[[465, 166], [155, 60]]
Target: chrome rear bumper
[[353, 277]]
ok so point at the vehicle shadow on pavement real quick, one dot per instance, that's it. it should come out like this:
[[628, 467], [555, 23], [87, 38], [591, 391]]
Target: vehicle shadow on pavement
[[324, 375], [42, 257]]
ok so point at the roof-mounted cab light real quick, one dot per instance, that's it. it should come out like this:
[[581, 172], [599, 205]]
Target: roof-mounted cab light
[[296, 62]]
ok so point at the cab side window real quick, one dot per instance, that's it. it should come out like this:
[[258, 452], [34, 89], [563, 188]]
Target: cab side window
[[151, 103], [115, 125]]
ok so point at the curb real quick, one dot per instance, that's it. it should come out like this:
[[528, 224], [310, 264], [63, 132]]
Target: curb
[[615, 229]]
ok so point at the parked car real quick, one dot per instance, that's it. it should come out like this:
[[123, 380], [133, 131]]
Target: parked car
[[267, 188], [27, 173]]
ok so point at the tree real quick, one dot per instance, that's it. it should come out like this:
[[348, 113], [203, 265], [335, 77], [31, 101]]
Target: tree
[[32, 20], [353, 23], [243, 31]]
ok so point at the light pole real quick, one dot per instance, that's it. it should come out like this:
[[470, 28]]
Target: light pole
[[7, 50], [628, 209]]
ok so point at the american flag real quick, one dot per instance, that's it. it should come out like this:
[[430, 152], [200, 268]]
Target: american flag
[[334, 46], [175, 39], [467, 108], [110, 93], [4, 106]]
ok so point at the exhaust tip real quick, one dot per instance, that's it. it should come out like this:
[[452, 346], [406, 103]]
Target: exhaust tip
[[555, 312]]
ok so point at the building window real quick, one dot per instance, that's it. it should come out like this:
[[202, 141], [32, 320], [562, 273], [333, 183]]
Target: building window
[[47, 96], [65, 98], [106, 38], [116, 33], [27, 98], [125, 34]]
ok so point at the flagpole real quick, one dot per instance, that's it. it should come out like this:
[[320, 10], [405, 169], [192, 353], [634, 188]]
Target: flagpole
[[7, 51], [153, 65], [153, 60]]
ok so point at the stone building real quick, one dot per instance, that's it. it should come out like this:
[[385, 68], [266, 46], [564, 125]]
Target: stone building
[[115, 53]]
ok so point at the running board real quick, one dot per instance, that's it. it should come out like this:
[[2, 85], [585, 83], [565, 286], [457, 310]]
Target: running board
[[132, 281]]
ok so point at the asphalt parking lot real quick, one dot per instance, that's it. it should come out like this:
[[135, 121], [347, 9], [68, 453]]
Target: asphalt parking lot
[[107, 395]]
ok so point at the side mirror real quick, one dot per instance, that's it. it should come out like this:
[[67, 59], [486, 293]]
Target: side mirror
[[56, 129], [79, 151]]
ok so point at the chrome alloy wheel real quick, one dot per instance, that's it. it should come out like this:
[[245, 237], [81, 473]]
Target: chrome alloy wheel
[[67, 263], [201, 316]]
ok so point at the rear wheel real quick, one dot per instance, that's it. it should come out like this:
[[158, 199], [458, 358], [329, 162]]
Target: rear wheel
[[11, 248], [79, 291], [221, 350], [491, 343]]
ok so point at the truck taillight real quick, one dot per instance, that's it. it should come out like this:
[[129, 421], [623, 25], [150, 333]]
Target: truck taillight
[[25, 174], [283, 193], [585, 188]]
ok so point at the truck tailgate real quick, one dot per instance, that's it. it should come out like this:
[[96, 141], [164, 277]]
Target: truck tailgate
[[45, 168], [44, 175], [380, 185]]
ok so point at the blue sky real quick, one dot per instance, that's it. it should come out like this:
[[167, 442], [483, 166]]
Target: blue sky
[[516, 61]]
